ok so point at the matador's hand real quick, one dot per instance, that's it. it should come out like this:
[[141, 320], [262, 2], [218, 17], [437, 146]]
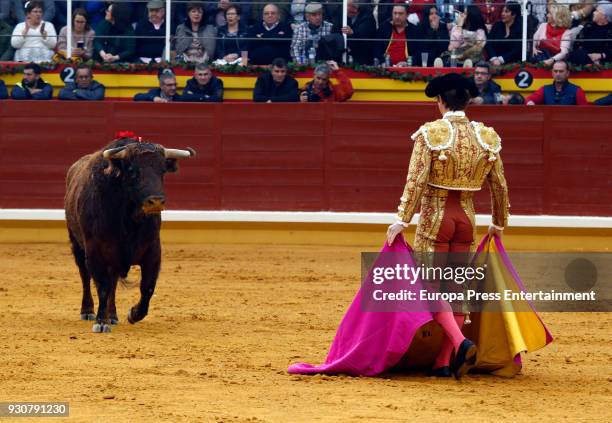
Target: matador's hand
[[393, 231], [495, 231]]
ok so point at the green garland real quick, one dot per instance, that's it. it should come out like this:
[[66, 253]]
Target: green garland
[[374, 71]]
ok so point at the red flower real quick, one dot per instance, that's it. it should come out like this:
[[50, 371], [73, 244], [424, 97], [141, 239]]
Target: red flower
[[125, 134]]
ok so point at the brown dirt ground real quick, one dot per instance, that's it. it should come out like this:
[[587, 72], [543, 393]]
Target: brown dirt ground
[[223, 326]]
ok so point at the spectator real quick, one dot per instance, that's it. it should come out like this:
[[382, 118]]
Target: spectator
[[5, 10], [34, 39], [537, 9], [275, 85], [85, 88], [322, 89], [151, 33], [398, 38], [594, 43], [489, 92], [231, 37], [61, 9], [561, 92], [82, 36], [270, 38], [258, 11], [296, 13], [468, 37], [96, 10], [20, 9], [332, 10], [195, 41], [309, 34], [434, 35], [3, 90], [604, 101], [114, 40], [504, 44], [203, 87], [166, 92], [32, 87], [552, 40], [581, 10], [450, 10], [490, 11], [6, 50], [217, 11], [360, 30]]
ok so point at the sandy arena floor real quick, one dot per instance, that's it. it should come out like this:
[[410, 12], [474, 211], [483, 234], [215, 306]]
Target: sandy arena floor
[[223, 326]]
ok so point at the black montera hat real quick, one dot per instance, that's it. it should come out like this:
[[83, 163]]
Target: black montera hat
[[450, 81]]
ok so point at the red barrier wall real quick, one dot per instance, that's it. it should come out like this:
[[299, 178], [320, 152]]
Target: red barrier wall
[[312, 157]]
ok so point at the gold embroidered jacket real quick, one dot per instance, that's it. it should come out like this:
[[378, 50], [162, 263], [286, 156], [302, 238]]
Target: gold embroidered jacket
[[455, 154]]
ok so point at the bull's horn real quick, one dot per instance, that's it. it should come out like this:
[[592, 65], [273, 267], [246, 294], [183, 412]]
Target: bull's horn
[[171, 153], [115, 153]]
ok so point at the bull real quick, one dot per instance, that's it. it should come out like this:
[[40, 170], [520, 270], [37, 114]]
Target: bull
[[114, 198]]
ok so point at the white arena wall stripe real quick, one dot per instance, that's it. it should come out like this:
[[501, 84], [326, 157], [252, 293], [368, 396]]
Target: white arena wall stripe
[[540, 221]]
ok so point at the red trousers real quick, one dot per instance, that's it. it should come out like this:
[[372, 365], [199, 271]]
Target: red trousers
[[456, 233]]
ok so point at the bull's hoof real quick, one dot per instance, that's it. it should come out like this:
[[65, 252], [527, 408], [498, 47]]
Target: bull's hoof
[[114, 320], [129, 317], [88, 316], [101, 328]]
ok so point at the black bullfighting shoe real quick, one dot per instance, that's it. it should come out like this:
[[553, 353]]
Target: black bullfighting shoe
[[465, 358], [444, 371]]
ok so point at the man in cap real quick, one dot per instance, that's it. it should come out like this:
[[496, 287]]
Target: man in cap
[[308, 35], [451, 159], [151, 33]]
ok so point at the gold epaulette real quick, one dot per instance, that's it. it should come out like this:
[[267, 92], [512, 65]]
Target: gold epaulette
[[438, 135], [487, 137]]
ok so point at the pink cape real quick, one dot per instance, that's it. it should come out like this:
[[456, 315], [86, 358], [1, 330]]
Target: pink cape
[[369, 343]]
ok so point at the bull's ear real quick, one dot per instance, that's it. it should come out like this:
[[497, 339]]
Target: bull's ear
[[171, 165]]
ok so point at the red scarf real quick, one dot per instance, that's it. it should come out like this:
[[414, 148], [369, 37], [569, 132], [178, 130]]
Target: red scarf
[[552, 43]]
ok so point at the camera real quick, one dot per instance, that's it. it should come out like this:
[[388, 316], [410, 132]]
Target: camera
[[314, 97], [80, 44]]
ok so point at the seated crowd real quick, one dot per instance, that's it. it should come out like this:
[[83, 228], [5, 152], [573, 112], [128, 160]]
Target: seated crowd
[[392, 33], [480, 35], [275, 85]]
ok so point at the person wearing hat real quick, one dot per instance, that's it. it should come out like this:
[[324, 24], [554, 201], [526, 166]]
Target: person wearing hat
[[151, 33], [308, 35], [451, 159]]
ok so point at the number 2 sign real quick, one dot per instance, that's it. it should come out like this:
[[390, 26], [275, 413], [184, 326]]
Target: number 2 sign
[[523, 79]]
